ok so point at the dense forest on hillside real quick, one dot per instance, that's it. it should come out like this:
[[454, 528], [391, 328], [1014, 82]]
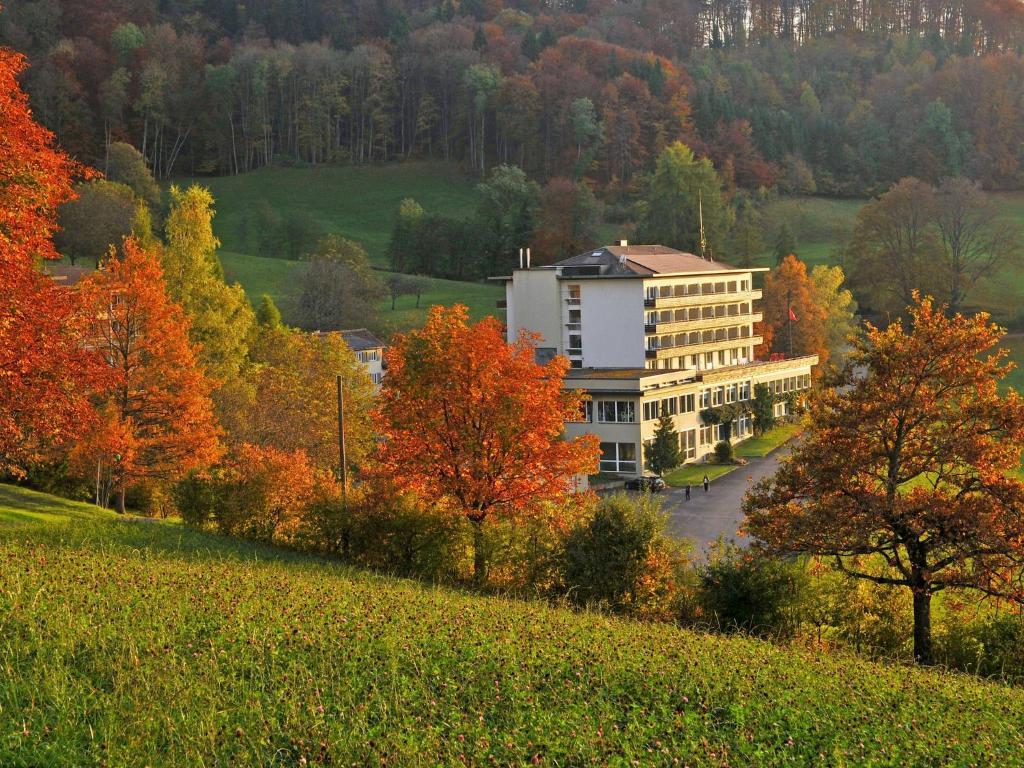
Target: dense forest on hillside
[[838, 98]]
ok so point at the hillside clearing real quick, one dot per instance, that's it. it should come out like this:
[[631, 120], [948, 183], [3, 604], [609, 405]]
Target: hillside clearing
[[280, 279], [357, 202], [148, 644]]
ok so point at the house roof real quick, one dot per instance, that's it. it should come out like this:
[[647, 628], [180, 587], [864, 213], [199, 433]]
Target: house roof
[[65, 274], [638, 260], [360, 339]]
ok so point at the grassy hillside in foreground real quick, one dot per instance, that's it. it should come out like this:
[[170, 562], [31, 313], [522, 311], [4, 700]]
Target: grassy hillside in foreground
[[141, 643]]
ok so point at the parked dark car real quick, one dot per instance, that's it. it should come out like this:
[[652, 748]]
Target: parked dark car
[[649, 483]]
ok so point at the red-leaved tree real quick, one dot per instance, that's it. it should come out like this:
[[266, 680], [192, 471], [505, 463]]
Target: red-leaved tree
[[45, 371], [157, 417], [475, 424]]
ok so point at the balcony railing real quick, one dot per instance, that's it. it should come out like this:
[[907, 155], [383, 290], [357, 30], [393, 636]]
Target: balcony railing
[[572, 299], [574, 351], [573, 326], [650, 328]]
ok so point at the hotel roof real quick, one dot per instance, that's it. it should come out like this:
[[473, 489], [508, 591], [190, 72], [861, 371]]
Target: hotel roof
[[639, 260]]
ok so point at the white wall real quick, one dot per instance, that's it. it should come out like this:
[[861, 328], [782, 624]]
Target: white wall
[[612, 312], [534, 304]]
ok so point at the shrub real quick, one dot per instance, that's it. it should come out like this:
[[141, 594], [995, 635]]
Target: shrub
[[742, 590], [198, 497], [525, 552], [399, 533], [622, 559], [990, 645], [723, 451], [261, 493]]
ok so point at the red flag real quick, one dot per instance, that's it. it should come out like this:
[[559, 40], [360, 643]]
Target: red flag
[[792, 314]]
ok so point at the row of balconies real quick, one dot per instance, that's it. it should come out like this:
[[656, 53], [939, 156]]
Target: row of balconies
[[696, 348], [702, 323], [690, 300]]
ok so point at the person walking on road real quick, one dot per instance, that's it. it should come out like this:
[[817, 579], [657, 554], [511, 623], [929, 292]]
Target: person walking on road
[[707, 483], [687, 491]]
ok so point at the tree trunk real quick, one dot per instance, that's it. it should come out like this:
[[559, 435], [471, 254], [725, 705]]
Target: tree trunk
[[479, 556], [923, 628], [120, 501]]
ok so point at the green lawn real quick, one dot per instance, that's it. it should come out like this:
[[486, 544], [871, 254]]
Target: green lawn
[[359, 202], [1015, 345], [139, 643], [693, 474], [768, 442], [280, 279]]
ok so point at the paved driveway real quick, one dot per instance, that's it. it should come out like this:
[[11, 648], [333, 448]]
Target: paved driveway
[[707, 515]]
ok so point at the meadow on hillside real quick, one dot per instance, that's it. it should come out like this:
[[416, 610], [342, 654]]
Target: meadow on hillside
[[359, 203], [138, 642]]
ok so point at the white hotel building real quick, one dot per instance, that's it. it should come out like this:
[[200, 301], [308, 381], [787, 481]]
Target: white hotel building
[[647, 327]]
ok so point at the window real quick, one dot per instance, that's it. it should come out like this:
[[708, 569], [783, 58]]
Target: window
[[616, 411], [717, 396], [574, 294], [368, 356], [618, 457], [586, 413], [575, 344], [376, 378], [686, 403], [543, 355], [688, 443], [709, 434]]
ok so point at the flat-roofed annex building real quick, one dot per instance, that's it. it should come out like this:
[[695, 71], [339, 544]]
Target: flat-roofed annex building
[[647, 328]]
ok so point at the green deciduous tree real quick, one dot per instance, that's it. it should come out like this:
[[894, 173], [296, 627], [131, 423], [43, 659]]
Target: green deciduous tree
[[101, 216], [221, 316], [676, 193]]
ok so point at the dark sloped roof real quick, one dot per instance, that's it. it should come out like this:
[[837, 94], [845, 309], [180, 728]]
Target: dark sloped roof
[[65, 274], [642, 260], [359, 339]]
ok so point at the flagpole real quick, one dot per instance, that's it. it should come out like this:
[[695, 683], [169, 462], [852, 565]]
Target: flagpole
[[789, 317]]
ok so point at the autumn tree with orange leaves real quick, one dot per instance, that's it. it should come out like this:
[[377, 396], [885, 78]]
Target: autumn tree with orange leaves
[[157, 418], [474, 423], [45, 371], [788, 289], [905, 479]]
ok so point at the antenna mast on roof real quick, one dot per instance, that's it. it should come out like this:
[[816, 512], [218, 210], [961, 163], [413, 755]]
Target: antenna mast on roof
[[700, 212]]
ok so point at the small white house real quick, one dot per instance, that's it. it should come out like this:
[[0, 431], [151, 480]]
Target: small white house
[[369, 350]]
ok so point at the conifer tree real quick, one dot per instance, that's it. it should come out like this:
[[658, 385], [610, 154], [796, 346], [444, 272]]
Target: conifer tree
[[663, 452]]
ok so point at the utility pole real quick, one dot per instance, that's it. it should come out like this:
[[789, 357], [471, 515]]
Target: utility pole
[[342, 473], [789, 317]]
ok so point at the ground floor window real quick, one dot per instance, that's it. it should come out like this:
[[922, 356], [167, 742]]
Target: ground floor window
[[618, 457], [709, 435], [688, 443]]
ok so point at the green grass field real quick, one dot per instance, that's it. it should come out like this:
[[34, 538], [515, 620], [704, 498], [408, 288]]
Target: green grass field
[[358, 202], [280, 279], [764, 444], [139, 643]]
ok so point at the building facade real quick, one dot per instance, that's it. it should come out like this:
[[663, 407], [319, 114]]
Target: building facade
[[369, 350], [649, 329]]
